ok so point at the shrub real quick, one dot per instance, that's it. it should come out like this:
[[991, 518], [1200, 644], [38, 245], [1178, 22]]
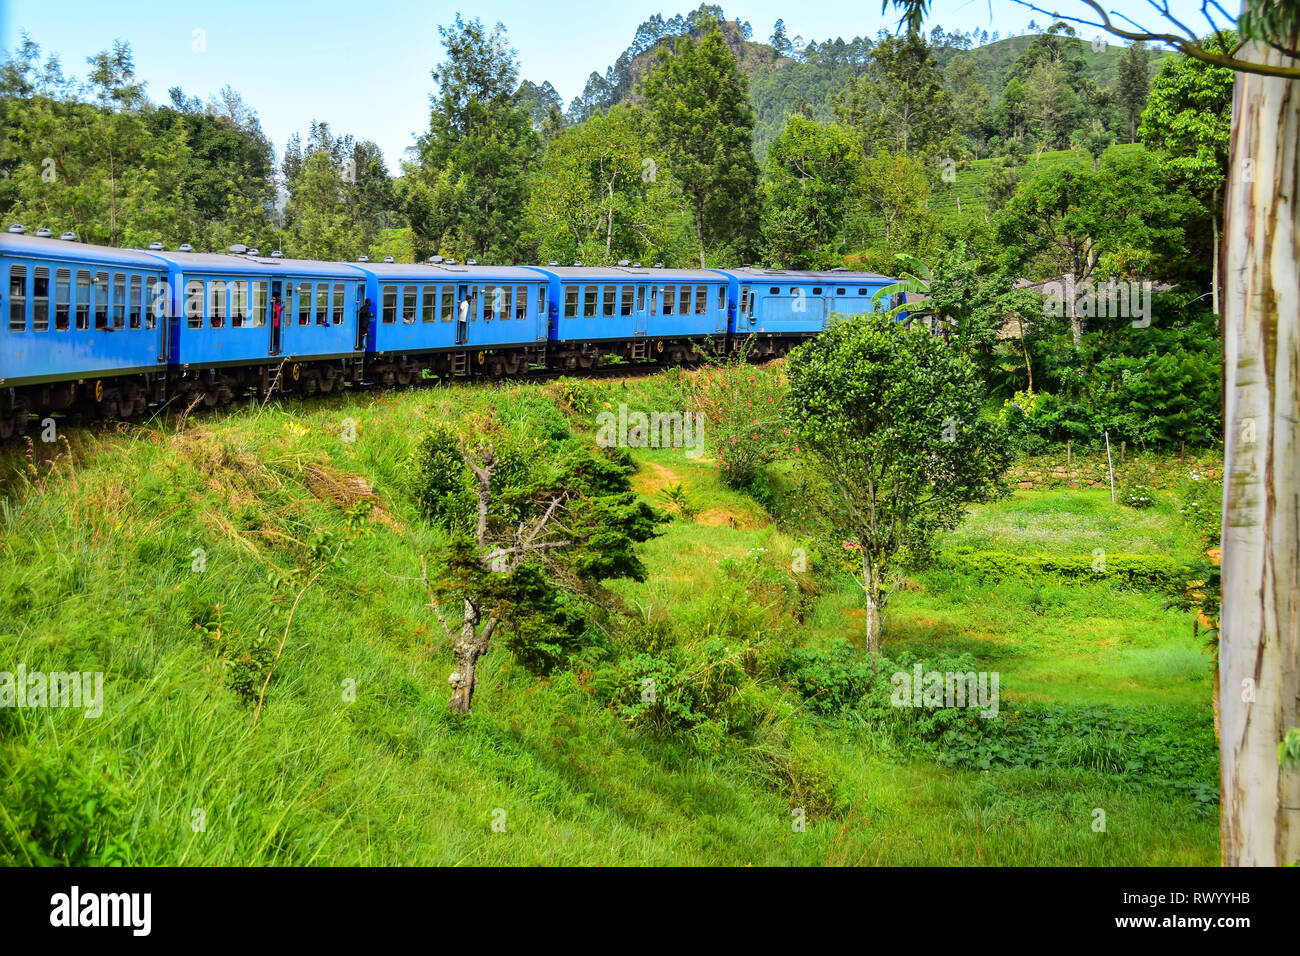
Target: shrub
[[743, 411], [1137, 496], [1155, 572]]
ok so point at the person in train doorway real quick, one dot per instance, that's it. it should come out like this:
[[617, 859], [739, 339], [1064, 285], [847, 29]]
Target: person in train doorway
[[277, 307], [363, 323], [462, 332]]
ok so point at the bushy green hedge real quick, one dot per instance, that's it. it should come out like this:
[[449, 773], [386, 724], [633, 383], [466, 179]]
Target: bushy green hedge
[[1151, 572]]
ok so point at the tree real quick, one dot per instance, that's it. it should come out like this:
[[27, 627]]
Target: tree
[[1125, 217], [900, 103], [812, 171], [703, 125], [780, 41], [891, 416], [1188, 122], [468, 189], [1133, 84], [534, 527], [597, 196]]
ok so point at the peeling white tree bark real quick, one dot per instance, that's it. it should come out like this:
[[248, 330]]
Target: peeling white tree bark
[[1259, 664]]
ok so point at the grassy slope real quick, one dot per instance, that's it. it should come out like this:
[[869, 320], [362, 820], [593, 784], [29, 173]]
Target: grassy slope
[[95, 574]]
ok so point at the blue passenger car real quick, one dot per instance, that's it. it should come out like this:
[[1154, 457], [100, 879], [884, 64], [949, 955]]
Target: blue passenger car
[[81, 324], [633, 311], [225, 337], [446, 317], [775, 309]]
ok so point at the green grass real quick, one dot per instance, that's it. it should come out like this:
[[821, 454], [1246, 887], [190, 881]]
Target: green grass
[[95, 575]]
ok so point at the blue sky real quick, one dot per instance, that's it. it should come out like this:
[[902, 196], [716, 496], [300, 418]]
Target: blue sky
[[364, 67]]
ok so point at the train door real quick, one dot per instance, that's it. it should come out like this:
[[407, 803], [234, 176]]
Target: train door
[[640, 311], [467, 298], [277, 315]]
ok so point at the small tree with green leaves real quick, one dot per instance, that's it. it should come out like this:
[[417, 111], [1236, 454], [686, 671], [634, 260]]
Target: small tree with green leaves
[[891, 415], [534, 527]]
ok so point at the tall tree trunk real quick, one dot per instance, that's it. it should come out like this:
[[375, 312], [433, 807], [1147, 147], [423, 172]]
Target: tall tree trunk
[[871, 584], [699, 228], [1259, 649], [1216, 296]]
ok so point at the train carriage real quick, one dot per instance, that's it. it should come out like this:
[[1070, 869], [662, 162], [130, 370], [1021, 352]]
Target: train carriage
[[636, 312], [82, 326], [775, 309], [224, 336], [449, 318]]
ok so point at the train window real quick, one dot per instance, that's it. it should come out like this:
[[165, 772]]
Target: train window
[[389, 314], [448, 303], [304, 303], [40, 299], [570, 301], [654, 300], [774, 291], [339, 297], [521, 302], [841, 291], [626, 307], [193, 304], [475, 304], [238, 303], [670, 298], [217, 303], [410, 301], [62, 297], [744, 300], [541, 301], [257, 313], [156, 302], [589, 302], [17, 298], [722, 298], [137, 295], [701, 299], [862, 292], [83, 300], [119, 300], [430, 295], [610, 292], [101, 300], [684, 300], [817, 290], [640, 298], [322, 303]]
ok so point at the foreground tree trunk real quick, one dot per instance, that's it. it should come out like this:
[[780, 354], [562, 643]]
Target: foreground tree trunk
[[1259, 651]]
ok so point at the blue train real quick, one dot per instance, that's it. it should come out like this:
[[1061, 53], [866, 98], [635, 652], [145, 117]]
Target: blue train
[[107, 332]]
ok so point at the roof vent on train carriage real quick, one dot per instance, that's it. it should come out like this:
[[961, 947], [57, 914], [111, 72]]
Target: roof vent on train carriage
[[624, 262], [44, 233], [363, 258], [277, 254], [451, 262], [156, 246], [17, 229], [577, 262], [471, 262], [659, 265], [636, 265], [254, 252], [553, 262], [437, 260], [239, 249], [68, 236], [389, 259], [185, 247]]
